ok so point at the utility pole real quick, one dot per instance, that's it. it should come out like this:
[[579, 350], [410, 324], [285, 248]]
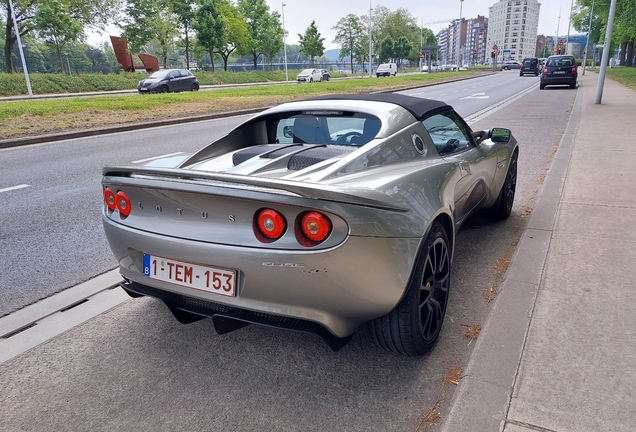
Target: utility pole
[[370, 44], [606, 50], [16, 29], [587, 43], [567, 38]]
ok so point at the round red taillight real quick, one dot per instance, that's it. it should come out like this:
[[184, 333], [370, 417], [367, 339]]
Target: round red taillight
[[123, 203], [271, 224], [109, 199], [315, 226]]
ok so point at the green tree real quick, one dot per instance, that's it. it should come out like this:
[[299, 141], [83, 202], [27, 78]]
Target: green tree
[[386, 51], [257, 18], [184, 10], [272, 41], [311, 44], [402, 48], [151, 21], [210, 26], [56, 26], [349, 35], [237, 31], [91, 14]]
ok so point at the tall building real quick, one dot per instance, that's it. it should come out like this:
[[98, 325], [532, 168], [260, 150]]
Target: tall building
[[464, 40], [512, 28]]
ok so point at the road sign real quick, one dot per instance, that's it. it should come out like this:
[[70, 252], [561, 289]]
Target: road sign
[[421, 55], [495, 47]]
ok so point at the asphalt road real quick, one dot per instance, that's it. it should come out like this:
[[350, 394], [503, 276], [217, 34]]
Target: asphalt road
[[136, 368]]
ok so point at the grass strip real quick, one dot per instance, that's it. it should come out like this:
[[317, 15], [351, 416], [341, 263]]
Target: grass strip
[[42, 116]]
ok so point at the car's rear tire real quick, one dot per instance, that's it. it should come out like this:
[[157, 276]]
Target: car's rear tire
[[164, 89], [573, 86], [412, 328], [194, 87], [541, 86], [320, 80], [503, 206]]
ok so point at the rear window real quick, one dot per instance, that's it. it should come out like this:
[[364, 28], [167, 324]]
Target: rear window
[[568, 61]]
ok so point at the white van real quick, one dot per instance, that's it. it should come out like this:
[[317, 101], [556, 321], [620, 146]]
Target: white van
[[386, 69]]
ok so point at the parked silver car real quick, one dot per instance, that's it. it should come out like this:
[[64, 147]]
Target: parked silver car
[[317, 215]]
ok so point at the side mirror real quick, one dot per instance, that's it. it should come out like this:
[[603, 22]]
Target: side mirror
[[288, 132], [500, 135]]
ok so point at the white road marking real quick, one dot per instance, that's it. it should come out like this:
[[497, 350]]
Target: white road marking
[[157, 157], [22, 186], [481, 95]]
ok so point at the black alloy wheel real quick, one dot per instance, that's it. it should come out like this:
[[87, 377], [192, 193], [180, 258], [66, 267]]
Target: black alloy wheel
[[194, 87], [506, 198], [164, 89], [413, 327]]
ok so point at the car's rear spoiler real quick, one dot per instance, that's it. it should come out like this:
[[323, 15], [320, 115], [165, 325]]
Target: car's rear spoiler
[[349, 195]]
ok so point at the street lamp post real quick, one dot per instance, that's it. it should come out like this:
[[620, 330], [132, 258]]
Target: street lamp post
[[567, 38], [68, 64], [370, 44], [587, 42], [459, 33], [16, 29], [285, 42]]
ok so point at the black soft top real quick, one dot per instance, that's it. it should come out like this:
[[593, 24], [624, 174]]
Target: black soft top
[[419, 107]]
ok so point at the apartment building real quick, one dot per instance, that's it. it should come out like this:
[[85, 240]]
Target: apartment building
[[512, 28]]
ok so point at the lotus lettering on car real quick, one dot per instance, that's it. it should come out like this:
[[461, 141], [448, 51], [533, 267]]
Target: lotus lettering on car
[[318, 215]]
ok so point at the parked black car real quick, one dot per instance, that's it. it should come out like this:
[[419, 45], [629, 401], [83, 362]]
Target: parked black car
[[559, 70], [325, 75], [169, 80], [530, 65]]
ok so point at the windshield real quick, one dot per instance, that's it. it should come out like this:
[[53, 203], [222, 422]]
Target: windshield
[[323, 127], [307, 72]]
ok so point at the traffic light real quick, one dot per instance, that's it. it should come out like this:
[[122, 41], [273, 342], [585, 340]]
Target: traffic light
[[559, 50], [493, 54]]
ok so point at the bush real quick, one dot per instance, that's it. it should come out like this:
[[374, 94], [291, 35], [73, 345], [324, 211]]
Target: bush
[[15, 84]]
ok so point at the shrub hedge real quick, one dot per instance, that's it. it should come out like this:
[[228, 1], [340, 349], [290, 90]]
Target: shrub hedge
[[15, 84]]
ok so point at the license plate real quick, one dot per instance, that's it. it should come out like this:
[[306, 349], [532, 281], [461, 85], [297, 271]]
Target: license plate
[[196, 276], [559, 72]]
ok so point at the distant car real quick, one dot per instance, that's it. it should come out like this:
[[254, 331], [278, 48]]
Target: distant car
[[559, 70], [309, 75], [530, 65], [169, 80], [325, 75], [316, 215], [425, 68], [507, 65], [386, 69]]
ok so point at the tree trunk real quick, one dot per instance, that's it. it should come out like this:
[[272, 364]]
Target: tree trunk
[[622, 53], [630, 54], [8, 42], [255, 56], [211, 51], [187, 47]]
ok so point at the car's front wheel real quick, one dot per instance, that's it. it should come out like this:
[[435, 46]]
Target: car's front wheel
[[164, 89], [194, 87], [412, 328], [311, 80]]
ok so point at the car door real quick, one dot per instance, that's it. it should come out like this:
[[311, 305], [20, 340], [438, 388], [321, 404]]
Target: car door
[[474, 168]]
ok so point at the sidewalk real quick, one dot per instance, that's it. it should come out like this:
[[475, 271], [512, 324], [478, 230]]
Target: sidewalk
[[559, 348]]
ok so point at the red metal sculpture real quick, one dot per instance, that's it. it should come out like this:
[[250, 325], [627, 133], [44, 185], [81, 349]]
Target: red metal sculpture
[[125, 58]]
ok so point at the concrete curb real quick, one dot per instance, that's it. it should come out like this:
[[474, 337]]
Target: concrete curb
[[482, 399], [16, 142]]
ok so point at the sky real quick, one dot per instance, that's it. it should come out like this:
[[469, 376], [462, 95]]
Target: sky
[[327, 13]]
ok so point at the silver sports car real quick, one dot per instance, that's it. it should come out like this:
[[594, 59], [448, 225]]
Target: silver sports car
[[319, 216]]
